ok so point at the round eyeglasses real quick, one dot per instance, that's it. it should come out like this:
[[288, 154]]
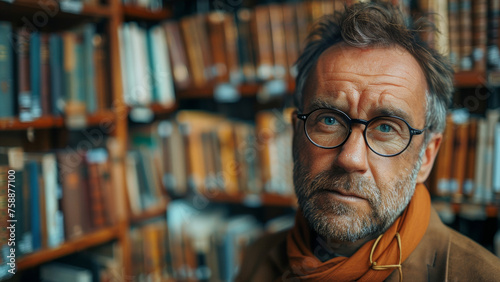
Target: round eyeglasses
[[386, 136]]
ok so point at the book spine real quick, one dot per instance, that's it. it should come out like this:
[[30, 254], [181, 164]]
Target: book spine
[[245, 46], [51, 199], [278, 41], [89, 68], [261, 34], [24, 83], [6, 71], [292, 50], [56, 73], [468, 187], [496, 161], [45, 74], [479, 31], [493, 35], [215, 24], [101, 72], [231, 41], [465, 23], [34, 184], [35, 67], [454, 33], [177, 52]]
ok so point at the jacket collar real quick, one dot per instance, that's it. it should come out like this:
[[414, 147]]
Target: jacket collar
[[431, 253]]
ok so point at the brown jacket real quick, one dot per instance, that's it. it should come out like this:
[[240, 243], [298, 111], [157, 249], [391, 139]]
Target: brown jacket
[[442, 255]]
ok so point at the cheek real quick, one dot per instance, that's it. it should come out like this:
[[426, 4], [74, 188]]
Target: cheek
[[386, 172], [315, 159]]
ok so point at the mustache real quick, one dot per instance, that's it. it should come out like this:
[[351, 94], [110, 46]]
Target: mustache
[[336, 180]]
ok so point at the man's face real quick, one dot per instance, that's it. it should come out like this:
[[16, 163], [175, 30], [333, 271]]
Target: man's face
[[350, 193]]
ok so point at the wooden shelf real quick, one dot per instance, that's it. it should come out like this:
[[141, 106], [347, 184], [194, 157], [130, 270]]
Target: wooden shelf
[[244, 90], [40, 123], [103, 116], [470, 79], [86, 241], [160, 109], [19, 8], [96, 10], [140, 13], [47, 122], [153, 212], [253, 200]]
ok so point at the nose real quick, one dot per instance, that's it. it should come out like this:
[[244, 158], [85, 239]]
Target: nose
[[352, 156]]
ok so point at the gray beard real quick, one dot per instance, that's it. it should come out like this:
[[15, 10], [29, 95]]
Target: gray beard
[[345, 223]]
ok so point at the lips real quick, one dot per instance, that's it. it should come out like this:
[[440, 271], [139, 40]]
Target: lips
[[344, 193]]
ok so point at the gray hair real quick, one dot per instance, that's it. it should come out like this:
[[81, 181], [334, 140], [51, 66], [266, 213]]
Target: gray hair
[[382, 25]]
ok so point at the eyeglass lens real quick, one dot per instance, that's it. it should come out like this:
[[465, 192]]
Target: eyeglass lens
[[384, 135]]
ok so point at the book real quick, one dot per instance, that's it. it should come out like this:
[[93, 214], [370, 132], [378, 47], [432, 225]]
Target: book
[[261, 38], [88, 32], [163, 89], [45, 97], [23, 75], [102, 84], [35, 74], [280, 65], [75, 201], [493, 52], [496, 160], [468, 186], [479, 34], [6, 71], [32, 168], [444, 160], [179, 62], [215, 26], [465, 23], [291, 40], [480, 170], [56, 73], [54, 272], [460, 149], [174, 158], [245, 47], [454, 33]]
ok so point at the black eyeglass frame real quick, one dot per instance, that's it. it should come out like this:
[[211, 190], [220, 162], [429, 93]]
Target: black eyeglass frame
[[413, 131]]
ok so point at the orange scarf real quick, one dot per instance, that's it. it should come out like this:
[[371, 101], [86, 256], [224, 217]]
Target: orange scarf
[[411, 226]]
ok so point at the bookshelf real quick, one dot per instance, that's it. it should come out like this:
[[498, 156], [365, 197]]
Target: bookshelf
[[112, 16], [73, 246]]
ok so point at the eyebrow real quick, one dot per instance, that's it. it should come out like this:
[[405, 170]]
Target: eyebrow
[[317, 104]]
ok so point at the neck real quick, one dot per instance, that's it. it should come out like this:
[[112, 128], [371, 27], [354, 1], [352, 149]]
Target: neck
[[325, 248]]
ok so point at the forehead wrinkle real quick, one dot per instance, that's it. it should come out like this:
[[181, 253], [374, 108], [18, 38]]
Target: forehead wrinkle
[[386, 98]]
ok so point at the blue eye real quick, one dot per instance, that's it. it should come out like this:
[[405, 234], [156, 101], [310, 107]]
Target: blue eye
[[385, 128], [329, 120]]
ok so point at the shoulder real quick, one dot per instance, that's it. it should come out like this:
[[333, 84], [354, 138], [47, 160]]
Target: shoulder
[[266, 256], [469, 259], [445, 255]]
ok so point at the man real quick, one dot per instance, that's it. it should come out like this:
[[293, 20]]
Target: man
[[371, 101]]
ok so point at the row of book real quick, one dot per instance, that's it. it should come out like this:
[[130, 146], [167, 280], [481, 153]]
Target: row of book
[[52, 73], [473, 29], [253, 44], [468, 32], [202, 152], [58, 196], [197, 244], [153, 5], [467, 167], [97, 264], [145, 63]]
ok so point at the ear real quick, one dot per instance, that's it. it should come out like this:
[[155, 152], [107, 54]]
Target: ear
[[429, 157]]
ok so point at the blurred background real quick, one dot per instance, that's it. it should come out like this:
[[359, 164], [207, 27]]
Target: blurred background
[[150, 140]]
